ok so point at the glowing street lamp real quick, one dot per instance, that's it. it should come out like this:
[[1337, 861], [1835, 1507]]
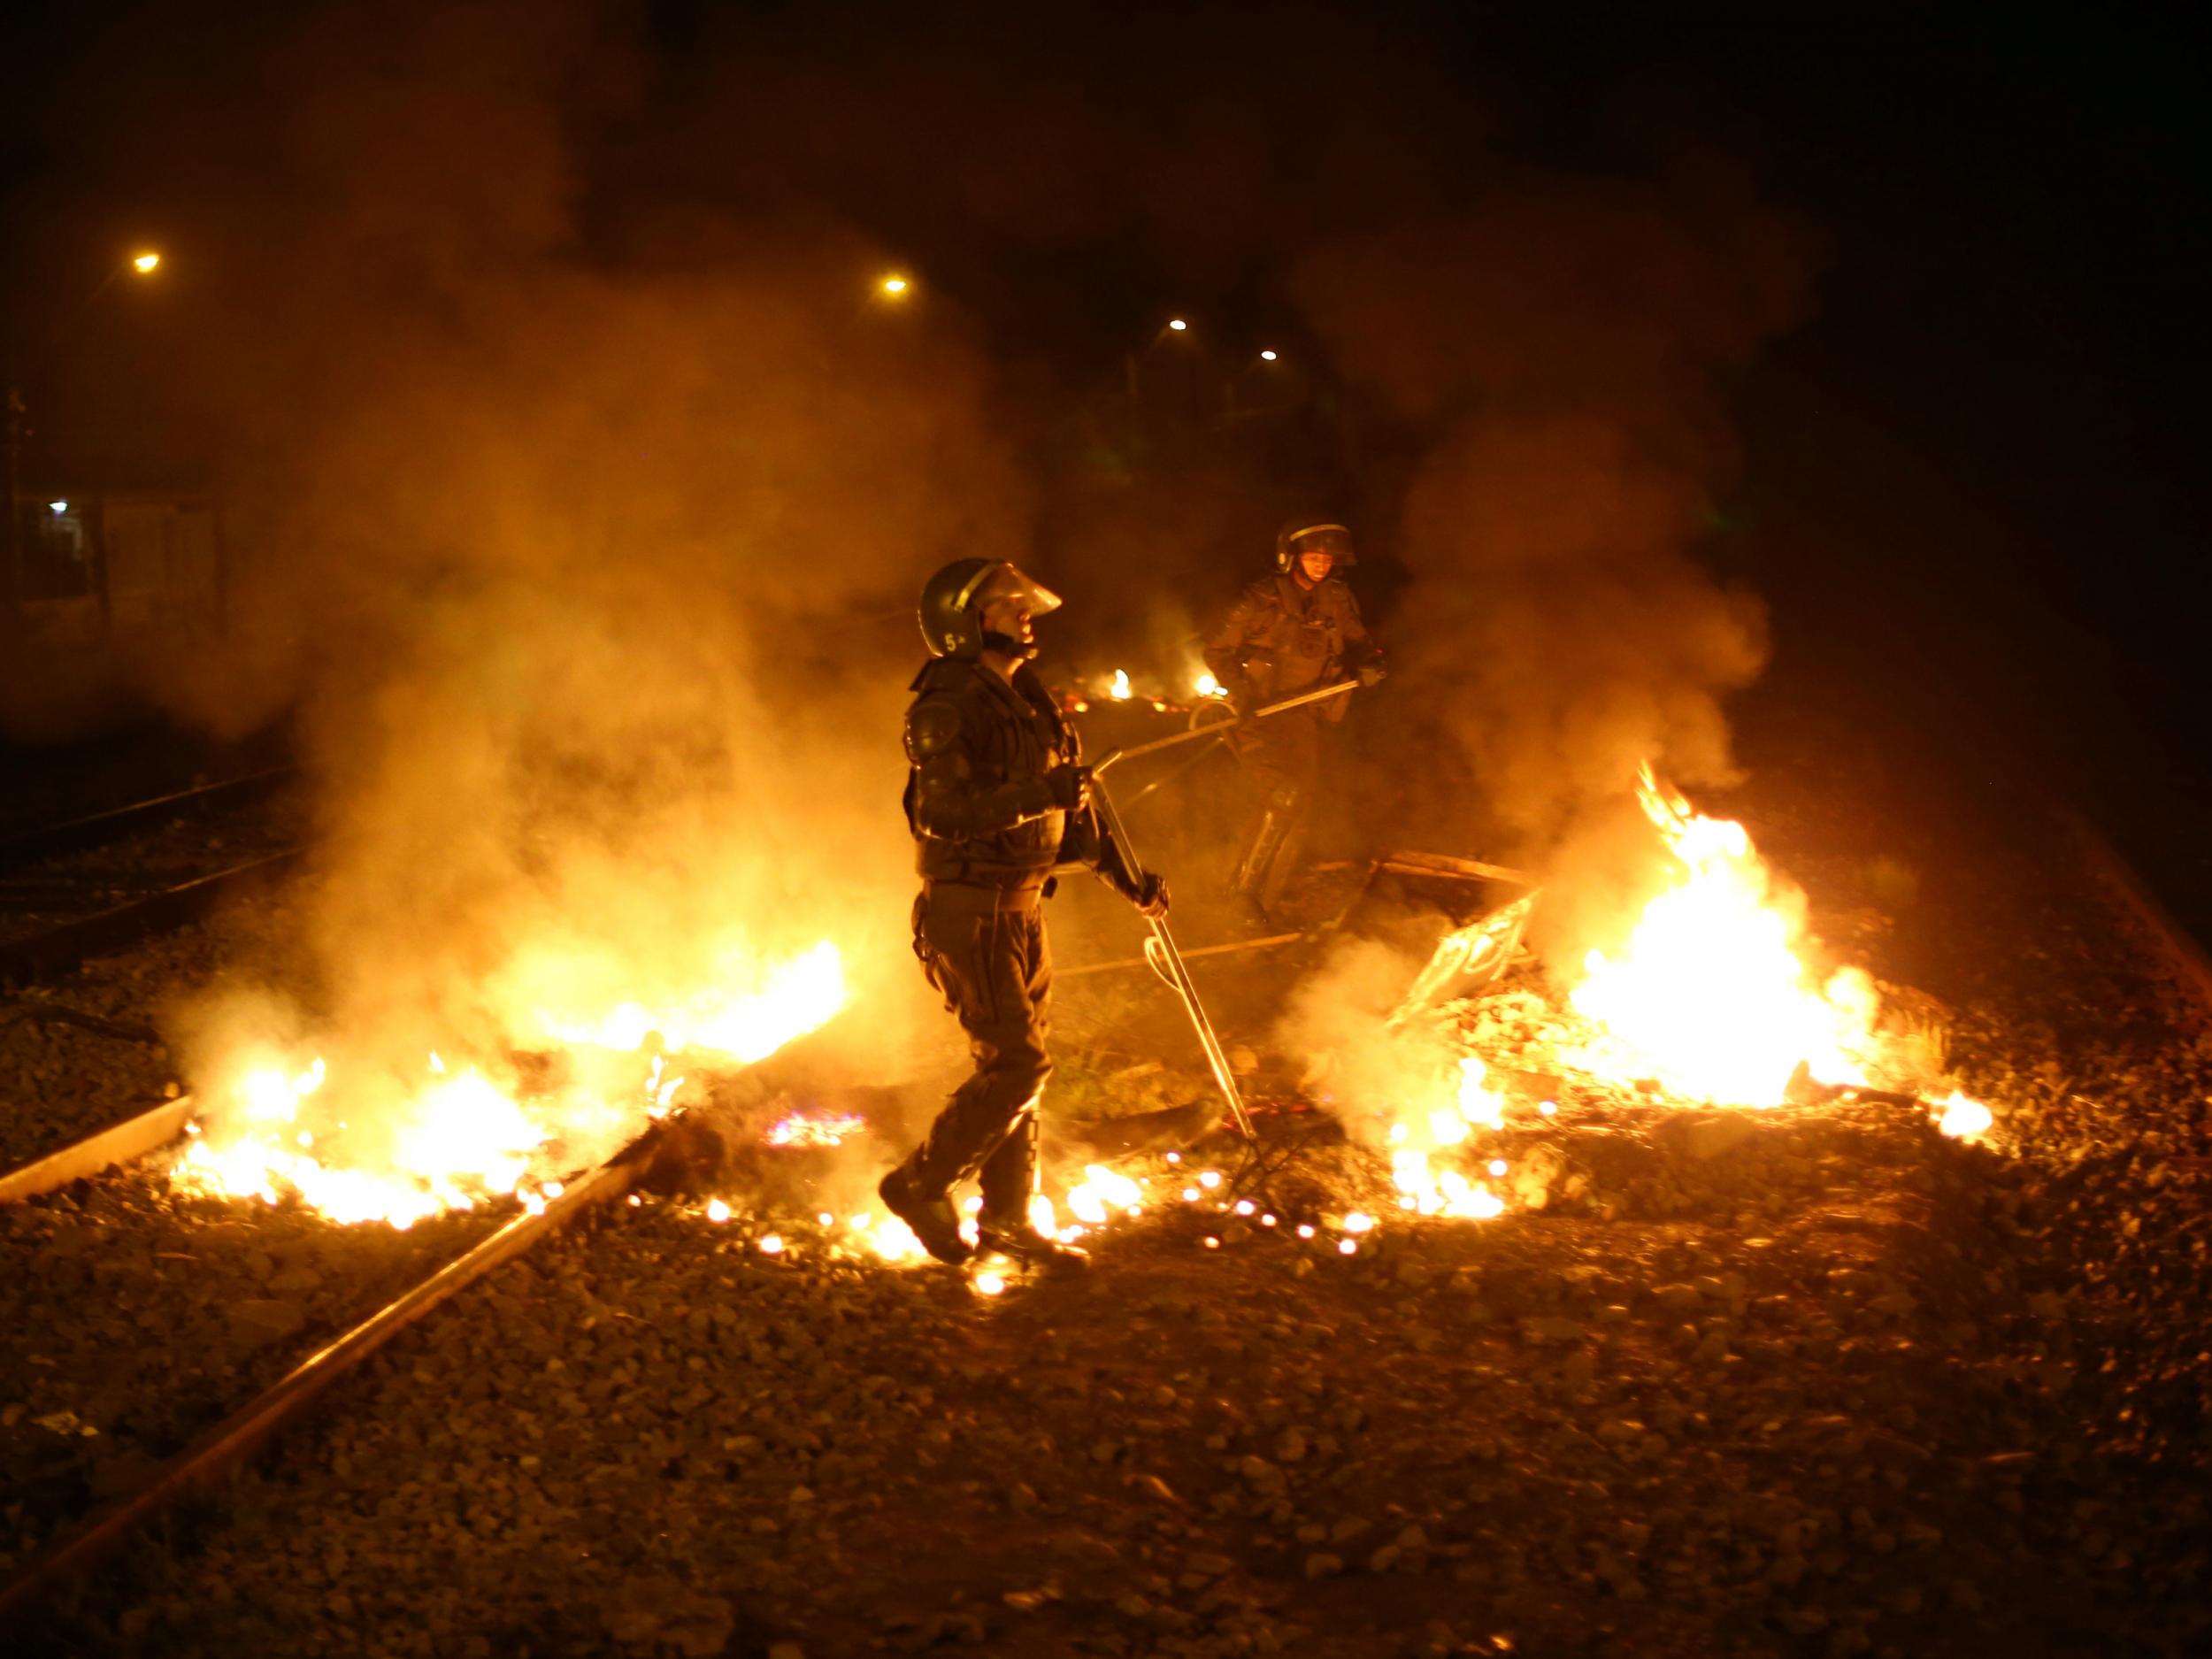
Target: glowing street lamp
[[894, 287], [143, 263], [1267, 357], [1177, 323]]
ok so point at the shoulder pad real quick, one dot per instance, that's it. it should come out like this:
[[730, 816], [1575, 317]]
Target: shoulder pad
[[932, 725], [938, 673]]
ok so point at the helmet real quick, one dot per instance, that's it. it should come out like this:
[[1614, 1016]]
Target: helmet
[[951, 611], [1313, 534]]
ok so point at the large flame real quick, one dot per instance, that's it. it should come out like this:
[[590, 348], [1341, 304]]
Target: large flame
[[373, 1147], [1708, 995]]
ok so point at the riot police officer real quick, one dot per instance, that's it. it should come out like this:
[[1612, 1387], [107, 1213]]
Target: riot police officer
[[996, 794], [1287, 633]]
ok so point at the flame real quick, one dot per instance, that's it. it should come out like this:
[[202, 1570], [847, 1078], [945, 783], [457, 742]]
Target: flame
[[798, 1129], [769, 1008], [1962, 1118], [1206, 686], [1708, 995], [1119, 690], [395, 1151]]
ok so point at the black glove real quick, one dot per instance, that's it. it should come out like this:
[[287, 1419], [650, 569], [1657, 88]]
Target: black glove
[[1150, 898], [1068, 787], [1372, 671]]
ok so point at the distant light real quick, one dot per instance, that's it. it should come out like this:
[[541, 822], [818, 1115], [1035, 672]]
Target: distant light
[[144, 263], [1267, 357], [1177, 323], [59, 506], [893, 286]]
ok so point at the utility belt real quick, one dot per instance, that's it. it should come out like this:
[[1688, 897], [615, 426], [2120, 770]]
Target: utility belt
[[986, 895]]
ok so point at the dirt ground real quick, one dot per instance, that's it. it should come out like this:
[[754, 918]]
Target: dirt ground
[[1810, 1381]]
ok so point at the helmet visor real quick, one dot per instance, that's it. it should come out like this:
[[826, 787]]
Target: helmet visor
[[1005, 580], [1333, 539]]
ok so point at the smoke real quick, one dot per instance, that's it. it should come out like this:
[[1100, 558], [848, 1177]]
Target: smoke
[[1556, 359], [581, 483], [1337, 1023], [589, 569]]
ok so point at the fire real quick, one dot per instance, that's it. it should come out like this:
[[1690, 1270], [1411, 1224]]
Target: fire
[[1119, 690], [1426, 1187], [454, 1142], [748, 1014], [379, 1148], [829, 1129], [1963, 1119], [1708, 995]]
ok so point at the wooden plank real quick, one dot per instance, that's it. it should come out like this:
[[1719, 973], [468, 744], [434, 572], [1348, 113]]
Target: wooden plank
[[120, 1142], [1443, 864]]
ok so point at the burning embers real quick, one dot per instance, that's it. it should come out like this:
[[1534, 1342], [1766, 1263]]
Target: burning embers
[[365, 1144]]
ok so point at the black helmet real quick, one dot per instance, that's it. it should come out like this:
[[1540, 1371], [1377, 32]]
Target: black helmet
[[1313, 534], [951, 611]]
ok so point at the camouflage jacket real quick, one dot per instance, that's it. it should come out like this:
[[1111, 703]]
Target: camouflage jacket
[[1280, 639]]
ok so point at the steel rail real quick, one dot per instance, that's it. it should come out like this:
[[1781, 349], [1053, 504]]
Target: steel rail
[[216, 1451], [123, 1141], [97, 829], [58, 949]]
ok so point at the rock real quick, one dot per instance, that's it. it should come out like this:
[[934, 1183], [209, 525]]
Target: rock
[[1291, 1448], [1260, 1472], [1678, 1298], [1323, 1566], [266, 1319], [1550, 1328], [1708, 1135]]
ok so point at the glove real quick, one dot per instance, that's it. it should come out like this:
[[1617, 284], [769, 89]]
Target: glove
[[1069, 787], [1151, 895], [1372, 671]]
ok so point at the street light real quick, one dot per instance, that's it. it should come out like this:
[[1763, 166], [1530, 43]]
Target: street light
[[1267, 357], [894, 287], [1177, 323], [143, 263]]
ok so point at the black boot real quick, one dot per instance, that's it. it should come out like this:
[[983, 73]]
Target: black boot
[[935, 1222]]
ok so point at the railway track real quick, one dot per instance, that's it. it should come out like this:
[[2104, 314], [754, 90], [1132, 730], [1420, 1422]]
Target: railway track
[[76, 889], [23, 848], [213, 1450], [222, 1447]]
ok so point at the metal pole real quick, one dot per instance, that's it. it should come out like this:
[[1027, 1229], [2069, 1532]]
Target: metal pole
[[1178, 975], [1217, 727]]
